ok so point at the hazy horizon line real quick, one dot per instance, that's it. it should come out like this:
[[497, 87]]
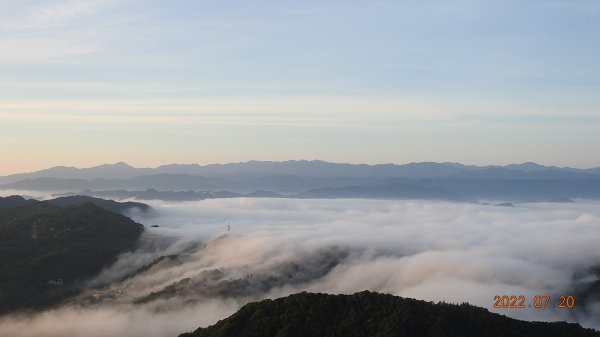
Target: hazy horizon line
[[124, 163]]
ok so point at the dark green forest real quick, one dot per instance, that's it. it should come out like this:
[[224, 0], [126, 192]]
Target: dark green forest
[[372, 314], [47, 251]]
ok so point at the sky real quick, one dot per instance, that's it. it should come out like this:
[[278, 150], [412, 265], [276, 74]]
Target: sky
[[86, 82]]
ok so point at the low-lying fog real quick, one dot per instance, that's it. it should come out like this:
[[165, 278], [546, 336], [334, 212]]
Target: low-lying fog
[[437, 251]]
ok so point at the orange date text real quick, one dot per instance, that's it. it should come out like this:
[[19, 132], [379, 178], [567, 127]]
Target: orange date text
[[536, 302]]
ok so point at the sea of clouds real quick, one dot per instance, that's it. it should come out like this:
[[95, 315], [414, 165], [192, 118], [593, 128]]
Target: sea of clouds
[[435, 251]]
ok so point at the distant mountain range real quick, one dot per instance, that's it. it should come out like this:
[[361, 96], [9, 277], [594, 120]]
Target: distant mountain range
[[319, 179], [367, 314], [389, 191], [297, 168]]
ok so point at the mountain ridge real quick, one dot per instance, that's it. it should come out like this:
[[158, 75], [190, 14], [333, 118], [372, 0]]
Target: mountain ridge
[[452, 181], [253, 168], [376, 315]]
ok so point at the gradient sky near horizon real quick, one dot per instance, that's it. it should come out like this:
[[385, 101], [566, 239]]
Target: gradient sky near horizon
[[85, 82]]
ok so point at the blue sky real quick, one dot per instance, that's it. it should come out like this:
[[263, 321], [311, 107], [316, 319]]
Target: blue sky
[[153, 82]]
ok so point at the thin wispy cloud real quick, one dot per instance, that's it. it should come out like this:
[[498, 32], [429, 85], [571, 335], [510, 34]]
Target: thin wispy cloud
[[37, 49], [317, 111], [56, 13], [35, 34]]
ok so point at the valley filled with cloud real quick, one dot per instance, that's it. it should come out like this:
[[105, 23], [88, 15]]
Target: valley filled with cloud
[[191, 270]]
